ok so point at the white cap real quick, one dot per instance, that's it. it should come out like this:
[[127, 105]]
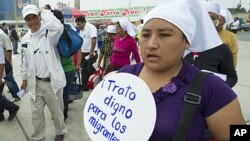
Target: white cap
[[111, 29], [212, 7], [192, 19], [29, 9]]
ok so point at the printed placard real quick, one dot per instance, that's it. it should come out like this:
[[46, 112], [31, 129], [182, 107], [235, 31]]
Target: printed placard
[[120, 108]]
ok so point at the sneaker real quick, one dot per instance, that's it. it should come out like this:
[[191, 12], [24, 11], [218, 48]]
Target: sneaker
[[59, 138], [13, 113], [15, 99]]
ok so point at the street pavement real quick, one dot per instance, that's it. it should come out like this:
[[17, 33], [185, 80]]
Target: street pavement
[[20, 129]]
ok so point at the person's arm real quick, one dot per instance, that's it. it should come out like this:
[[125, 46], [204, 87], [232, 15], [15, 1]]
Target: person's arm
[[135, 51], [99, 59], [234, 49], [8, 47], [93, 35], [92, 49], [219, 122], [55, 27], [227, 66], [79, 59], [24, 64], [1, 73], [2, 61]]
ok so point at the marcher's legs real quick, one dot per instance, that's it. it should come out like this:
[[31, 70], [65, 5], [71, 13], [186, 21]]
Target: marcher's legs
[[55, 105], [6, 104], [1, 107], [11, 84], [87, 69], [15, 46], [69, 80], [38, 117]]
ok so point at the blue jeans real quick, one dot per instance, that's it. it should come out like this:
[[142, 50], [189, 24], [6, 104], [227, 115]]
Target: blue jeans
[[15, 46], [11, 84]]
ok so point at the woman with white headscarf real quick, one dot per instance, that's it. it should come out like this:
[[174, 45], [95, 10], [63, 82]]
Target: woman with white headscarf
[[166, 34], [106, 49], [226, 36], [124, 45], [219, 58]]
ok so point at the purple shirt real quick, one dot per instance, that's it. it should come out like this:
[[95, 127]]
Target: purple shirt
[[122, 50], [215, 95]]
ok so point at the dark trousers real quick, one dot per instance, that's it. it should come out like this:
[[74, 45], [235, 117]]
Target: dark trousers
[[69, 80], [5, 104], [87, 68]]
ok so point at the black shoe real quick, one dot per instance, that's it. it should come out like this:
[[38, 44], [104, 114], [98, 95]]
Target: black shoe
[[59, 138], [85, 89], [71, 101], [16, 53], [13, 113]]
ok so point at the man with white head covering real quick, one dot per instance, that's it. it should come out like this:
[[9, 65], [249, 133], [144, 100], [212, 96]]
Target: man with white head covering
[[166, 34], [226, 36], [41, 70], [219, 59]]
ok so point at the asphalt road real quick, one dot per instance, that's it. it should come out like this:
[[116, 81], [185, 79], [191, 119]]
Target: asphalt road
[[243, 36]]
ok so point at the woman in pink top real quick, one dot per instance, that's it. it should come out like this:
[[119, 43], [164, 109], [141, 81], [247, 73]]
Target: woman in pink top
[[124, 45]]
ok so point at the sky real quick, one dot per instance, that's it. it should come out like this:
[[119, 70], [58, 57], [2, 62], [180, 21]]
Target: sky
[[86, 4]]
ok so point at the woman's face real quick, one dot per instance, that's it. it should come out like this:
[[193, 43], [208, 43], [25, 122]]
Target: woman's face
[[222, 21], [162, 45], [214, 17], [119, 30]]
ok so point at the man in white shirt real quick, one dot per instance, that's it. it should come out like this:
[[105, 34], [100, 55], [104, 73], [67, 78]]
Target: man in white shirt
[[235, 25], [89, 48], [41, 69]]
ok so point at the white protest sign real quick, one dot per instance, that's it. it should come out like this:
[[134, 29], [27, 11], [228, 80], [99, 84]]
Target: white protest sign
[[120, 108]]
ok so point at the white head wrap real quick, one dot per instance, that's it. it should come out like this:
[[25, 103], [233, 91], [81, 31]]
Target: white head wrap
[[111, 29], [211, 7], [227, 15], [192, 19], [129, 27]]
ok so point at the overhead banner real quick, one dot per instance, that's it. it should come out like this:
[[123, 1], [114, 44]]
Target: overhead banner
[[120, 108], [117, 13]]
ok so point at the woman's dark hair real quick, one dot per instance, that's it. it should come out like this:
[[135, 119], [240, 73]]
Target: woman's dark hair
[[47, 6], [58, 14], [185, 37], [80, 19]]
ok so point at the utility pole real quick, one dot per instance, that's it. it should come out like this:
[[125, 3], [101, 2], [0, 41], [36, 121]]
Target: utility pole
[[15, 17]]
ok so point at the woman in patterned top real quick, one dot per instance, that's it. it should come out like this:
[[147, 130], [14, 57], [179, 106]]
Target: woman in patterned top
[[107, 46]]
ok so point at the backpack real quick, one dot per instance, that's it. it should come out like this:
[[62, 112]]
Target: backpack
[[69, 42]]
